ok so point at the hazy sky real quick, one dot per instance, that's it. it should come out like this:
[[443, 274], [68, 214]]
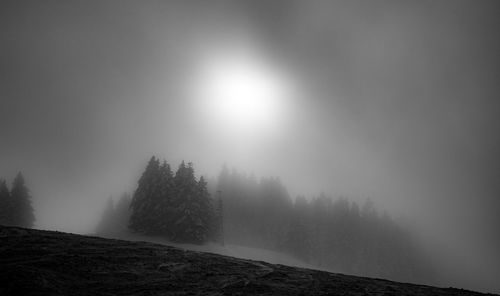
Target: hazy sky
[[396, 100]]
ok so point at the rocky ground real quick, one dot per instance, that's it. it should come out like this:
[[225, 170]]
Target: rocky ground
[[35, 262]]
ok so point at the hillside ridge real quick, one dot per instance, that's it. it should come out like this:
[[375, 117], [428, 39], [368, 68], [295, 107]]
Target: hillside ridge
[[40, 262]]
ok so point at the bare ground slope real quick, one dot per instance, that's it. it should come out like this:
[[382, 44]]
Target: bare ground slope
[[35, 262]]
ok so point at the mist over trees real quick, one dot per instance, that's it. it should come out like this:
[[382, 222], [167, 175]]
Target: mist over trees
[[115, 216], [337, 235], [15, 205], [333, 234]]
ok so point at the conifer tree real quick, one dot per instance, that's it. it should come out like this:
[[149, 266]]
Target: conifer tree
[[165, 204], [22, 211], [5, 204], [185, 191], [143, 201], [178, 207], [190, 218], [205, 209]]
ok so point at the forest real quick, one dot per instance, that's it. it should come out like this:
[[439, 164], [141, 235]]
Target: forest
[[235, 208]]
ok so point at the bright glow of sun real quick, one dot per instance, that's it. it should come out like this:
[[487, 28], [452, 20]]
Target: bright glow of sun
[[242, 92]]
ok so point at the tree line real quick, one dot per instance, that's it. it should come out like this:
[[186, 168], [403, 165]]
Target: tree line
[[333, 234], [15, 204]]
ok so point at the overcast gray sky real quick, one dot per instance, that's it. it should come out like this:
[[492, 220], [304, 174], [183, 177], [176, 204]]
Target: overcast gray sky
[[395, 100]]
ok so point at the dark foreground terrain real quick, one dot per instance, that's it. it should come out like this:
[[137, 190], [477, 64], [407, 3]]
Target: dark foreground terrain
[[34, 262]]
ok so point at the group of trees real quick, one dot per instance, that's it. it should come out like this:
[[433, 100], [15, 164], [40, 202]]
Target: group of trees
[[15, 205], [338, 235], [177, 206], [256, 213], [334, 234]]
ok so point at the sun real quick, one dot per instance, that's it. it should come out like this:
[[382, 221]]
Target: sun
[[242, 92]]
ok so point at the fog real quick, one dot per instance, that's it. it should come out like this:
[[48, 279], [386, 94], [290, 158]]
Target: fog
[[391, 100]]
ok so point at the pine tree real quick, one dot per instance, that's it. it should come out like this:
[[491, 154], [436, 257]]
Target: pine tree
[[22, 211], [178, 207], [5, 204], [165, 204], [205, 210], [143, 203], [192, 207], [185, 192]]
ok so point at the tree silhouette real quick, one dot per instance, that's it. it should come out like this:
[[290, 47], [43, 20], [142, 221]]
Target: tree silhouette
[[165, 201], [143, 202], [22, 211], [178, 207], [194, 213]]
